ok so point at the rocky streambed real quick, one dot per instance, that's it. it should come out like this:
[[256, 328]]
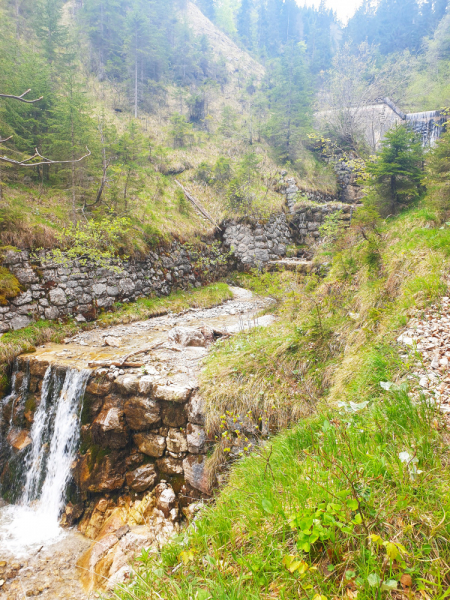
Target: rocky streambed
[[107, 430]]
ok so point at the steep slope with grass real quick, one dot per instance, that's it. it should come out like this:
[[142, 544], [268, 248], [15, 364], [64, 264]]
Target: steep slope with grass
[[351, 502]]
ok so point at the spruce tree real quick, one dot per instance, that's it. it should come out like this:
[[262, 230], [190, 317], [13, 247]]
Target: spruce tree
[[290, 103], [395, 176]]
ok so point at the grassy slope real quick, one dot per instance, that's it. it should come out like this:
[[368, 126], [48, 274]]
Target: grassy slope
[[25, 340], [34, 212], [337, 475]]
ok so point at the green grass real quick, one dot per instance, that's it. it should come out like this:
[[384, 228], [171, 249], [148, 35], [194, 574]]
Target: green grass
[[14, 343], [326, 509], [295, 518]]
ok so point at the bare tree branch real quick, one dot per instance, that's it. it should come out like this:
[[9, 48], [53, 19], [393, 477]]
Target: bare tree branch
[[44, 161], [21, 98], [5, 140]]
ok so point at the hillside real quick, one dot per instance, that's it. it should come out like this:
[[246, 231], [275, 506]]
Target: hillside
[[208, 131]]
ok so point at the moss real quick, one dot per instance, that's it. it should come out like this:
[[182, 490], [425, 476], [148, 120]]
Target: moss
[[30, 404], [9, 286], [97, 454]]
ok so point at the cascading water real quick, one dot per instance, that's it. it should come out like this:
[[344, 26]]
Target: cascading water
[[429, 125], [54, 439]]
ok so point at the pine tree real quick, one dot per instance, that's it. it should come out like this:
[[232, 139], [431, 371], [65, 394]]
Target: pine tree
[[396, 174]]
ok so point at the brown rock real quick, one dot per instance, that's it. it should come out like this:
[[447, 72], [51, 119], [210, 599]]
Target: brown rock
[[151, 444], [141, 412], [196, 474], [196, 438], [38, 368], [146, 385], [196, 410], [166, 499], [109, 428], [133, 460], [99, 388], [173, 415], [171, 466], [100, 473], [176, 441], [172, 393], [127, 384], [142, 478], [18, 439]]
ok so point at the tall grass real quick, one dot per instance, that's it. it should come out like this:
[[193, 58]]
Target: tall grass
[[350, 503]]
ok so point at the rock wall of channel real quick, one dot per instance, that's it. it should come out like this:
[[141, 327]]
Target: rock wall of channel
[[53, 291], [134, 434]]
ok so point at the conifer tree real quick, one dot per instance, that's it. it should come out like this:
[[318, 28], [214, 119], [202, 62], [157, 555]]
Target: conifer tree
[[290, 102], [49, 28], [396, 173], [244, 22]]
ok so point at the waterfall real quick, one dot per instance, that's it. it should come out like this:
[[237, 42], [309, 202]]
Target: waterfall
[[429, 125], [54, 439]]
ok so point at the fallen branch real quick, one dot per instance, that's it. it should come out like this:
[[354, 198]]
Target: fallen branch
[[44, 161], [197, 205], [21, 97]]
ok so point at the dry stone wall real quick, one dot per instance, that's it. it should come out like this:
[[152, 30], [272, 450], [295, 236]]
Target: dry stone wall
[[52, 291], [257, 243]]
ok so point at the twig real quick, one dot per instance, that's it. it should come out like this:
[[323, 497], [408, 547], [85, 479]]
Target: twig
[[21, 97], [45, 161]]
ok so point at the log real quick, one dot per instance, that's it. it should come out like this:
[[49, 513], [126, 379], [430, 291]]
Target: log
[[197, 205]]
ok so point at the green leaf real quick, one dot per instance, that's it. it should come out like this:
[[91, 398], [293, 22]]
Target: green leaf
[[352, 504], [305, 546], [358, 519], [374, 580], [391, 550], [389, 585], [267, 506]]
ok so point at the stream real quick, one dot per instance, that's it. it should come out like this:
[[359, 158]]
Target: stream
[[37, 556]]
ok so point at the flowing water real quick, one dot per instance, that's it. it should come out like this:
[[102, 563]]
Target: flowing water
[[34, 521], [429, 124]]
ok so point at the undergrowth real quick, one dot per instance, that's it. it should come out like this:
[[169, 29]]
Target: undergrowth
[[351, 502]]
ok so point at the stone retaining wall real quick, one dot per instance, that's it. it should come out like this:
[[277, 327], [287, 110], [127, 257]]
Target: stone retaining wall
[[306, 220], [57, 290], [255, 244]]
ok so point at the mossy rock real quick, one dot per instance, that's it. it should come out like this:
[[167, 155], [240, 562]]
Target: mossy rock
[[9, 286]]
